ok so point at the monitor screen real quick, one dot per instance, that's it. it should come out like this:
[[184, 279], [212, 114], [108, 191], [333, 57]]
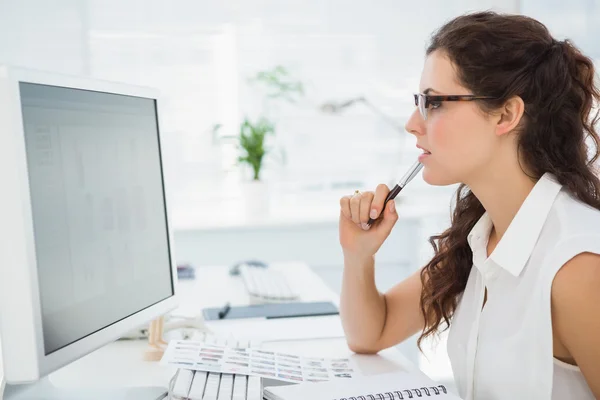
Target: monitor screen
[[98, 208]]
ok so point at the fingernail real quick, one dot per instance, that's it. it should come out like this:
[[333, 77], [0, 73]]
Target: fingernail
[[392, 206], [373, 213], [365, 226]]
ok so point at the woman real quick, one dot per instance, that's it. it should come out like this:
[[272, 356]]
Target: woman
[[505, 110]]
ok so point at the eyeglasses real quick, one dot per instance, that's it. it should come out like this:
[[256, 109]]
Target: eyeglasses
[[423, 101]]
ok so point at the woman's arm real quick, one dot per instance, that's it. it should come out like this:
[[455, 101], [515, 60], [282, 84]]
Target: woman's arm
[[375, 321], [576, 314]]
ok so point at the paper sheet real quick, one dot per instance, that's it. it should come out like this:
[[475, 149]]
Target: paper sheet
[[201, 356]]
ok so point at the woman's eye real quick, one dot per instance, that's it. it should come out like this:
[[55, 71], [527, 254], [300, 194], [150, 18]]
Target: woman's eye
[[435, 104]]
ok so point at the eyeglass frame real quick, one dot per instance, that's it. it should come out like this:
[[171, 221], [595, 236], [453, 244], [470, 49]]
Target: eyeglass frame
[[439, 98]]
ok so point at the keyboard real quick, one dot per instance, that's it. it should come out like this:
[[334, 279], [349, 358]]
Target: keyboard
[[266, 285], [200, 385]]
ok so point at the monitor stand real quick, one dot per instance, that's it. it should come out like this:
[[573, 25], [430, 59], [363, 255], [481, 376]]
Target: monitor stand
[[45, 390]]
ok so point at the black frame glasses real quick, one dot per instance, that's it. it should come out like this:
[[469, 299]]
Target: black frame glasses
[[423, 101]]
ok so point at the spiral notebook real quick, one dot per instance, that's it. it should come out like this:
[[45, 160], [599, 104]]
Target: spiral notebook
[[398, 385]]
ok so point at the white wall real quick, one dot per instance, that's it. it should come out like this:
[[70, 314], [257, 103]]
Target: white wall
[[48, 35]]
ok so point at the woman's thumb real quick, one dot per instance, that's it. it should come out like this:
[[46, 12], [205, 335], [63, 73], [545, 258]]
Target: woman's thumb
[[390, 216], [391, 207]]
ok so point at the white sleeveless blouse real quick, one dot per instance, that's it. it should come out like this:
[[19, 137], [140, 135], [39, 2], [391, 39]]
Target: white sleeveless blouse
[[505, 350]]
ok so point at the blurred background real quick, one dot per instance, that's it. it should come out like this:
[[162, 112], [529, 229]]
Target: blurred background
[[324, 86]]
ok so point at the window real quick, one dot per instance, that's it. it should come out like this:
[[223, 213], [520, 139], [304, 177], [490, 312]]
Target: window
[[202, 53]]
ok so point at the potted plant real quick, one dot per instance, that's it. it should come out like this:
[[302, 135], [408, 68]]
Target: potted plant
[[252, 143], [253, 150], [275, 84]]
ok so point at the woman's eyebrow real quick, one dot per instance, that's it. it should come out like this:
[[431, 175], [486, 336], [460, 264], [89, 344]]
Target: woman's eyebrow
[[429, 90]]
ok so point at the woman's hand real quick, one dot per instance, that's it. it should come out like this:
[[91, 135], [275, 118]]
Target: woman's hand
[[356, 237]]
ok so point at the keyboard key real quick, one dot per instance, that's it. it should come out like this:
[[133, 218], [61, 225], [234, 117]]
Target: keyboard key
[[212, 386], [226, 387], [183, 382], [240, 383], [254, 388], [197, 389]]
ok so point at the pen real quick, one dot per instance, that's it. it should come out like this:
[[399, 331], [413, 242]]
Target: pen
[[410, 174], [223, 313]]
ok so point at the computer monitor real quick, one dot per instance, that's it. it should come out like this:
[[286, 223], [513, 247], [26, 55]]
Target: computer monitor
[[85, 246]]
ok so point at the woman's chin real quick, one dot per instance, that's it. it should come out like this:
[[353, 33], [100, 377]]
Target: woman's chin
[[437, 177]]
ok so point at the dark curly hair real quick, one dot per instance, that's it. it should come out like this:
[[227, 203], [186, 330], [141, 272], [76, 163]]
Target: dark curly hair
[[503, 56]]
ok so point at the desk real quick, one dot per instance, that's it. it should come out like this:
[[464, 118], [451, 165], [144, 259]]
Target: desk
[[121, 363]]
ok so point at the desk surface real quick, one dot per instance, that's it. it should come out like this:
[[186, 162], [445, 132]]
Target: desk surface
[[121, 363]]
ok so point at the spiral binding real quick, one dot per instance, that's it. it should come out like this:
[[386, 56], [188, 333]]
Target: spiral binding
[[402, 394]]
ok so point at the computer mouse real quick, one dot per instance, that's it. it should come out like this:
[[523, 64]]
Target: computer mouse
[[235, 269]]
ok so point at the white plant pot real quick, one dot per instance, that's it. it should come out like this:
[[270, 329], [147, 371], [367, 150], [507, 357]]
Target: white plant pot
[[255, 198]]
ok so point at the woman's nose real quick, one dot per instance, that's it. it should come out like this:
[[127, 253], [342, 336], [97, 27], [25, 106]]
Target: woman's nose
[[415, 124]]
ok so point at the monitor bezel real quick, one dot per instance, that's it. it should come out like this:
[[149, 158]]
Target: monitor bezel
[[20, 308]]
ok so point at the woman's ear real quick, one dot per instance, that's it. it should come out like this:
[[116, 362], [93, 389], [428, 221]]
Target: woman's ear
[[510, 115]]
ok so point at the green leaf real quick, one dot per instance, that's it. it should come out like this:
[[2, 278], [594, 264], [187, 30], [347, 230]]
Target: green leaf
[[279, 84], [252, 143]]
